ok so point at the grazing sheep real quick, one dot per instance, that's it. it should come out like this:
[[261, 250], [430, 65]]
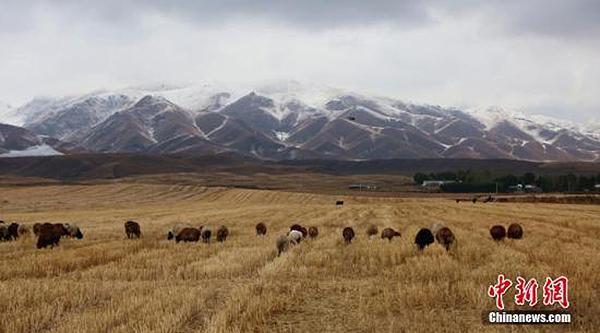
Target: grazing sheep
[[348, 234], [36, 228], [424, 238], [73, 231], [176, 229], [445, 237], [313, 232], [222, 233], [23, 230], [389, 233], [300, 228], [339, 203], [12, 232], [50, 234], [261, 229], [474, 200], [498, 232], [282, 244], [3, 232], [515, 231], [188, 235], [372, 230], [206, 233], [132, 229], [295, 235]]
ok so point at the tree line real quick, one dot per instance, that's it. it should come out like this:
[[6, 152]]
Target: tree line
[[485, 181]]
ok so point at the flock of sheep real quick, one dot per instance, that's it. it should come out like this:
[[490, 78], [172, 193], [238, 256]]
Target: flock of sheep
[[49, 234]]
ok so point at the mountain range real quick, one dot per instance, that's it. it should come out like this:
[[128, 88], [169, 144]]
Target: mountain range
[[284, 121]]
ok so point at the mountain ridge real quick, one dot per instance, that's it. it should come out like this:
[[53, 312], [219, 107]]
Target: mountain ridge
[[294, 121]]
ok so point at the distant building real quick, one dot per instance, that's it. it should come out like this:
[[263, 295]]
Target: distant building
[[524, 188], [532, 189], [361, 187], [436, 184]]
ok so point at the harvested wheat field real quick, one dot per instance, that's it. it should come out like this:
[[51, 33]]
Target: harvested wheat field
[[107, 283]]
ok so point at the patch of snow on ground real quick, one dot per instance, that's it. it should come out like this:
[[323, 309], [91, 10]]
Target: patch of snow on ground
[[282, 136], [41, 150]]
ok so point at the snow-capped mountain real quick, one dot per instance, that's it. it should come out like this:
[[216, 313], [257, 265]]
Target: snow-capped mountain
[[17, 141], [8, 114], [289, 120]]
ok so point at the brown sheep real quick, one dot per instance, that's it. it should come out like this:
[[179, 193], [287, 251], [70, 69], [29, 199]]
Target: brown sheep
[[50, 234], [372, 230], [176, 229], [132, 229], [23, 230], [515, 231], [313, 232], [498, 232], [300, 228], [188, 235], [261, 229], [206, 233], [389, 233], [445, 237], [348, 234], [222, 233], [424, 238], [36, 228]]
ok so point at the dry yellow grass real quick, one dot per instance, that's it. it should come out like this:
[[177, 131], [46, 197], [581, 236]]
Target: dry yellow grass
[[106, 283]]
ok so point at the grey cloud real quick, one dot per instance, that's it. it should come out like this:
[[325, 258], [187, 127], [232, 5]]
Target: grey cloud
[[554, 18]]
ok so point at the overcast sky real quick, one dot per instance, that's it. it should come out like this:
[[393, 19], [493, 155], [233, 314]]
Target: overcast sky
[[540, 56]]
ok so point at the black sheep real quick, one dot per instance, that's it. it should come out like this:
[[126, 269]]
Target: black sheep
[[424, 238]]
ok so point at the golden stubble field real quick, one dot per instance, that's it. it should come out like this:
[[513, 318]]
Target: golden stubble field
[[106, 283]]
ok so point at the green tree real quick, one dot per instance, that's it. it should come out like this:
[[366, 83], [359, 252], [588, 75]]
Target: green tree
[[420, 177]]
